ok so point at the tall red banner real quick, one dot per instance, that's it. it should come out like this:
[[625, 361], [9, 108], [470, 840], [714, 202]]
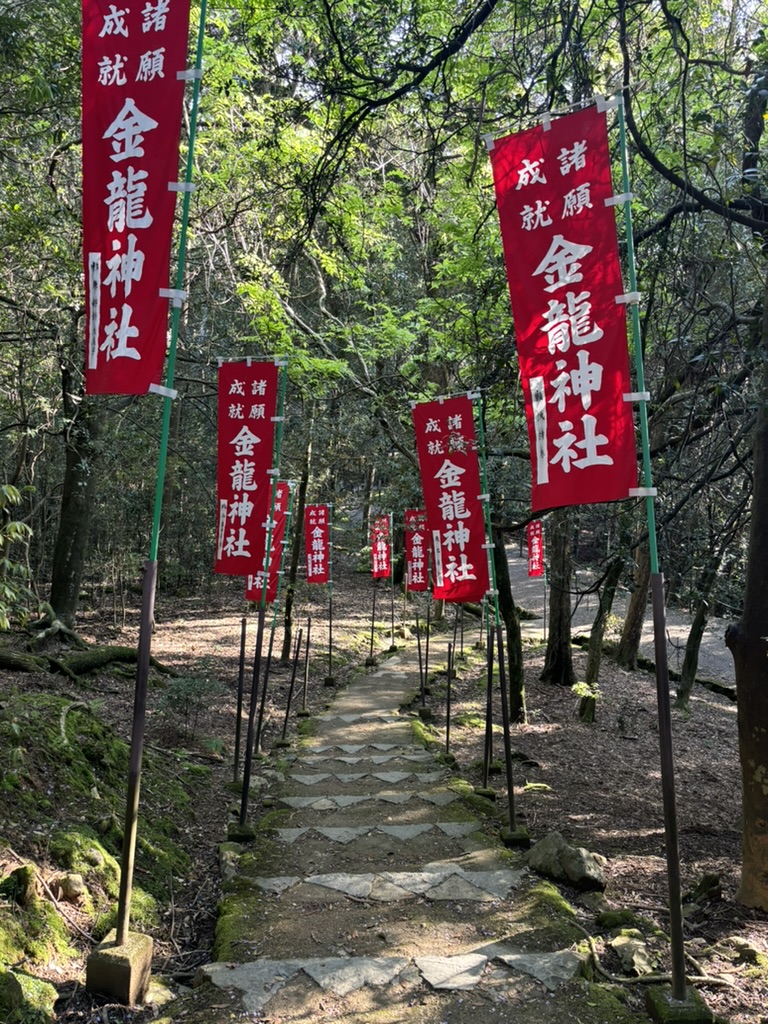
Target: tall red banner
[[381, 548], [450, 480], [132, 100], [246, 420], [317, 541], [564, 275], [535, 548], [254, 583], [416, 549]]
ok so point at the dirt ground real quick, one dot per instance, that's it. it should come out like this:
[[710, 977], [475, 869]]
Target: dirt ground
[[599, 784]]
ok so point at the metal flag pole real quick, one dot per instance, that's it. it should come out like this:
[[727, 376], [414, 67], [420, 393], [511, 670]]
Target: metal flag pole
[[393, 647], [273, 628], [150, 566], [330, 679], [273, 472], [240, 681], [515, 836], [648, 491]]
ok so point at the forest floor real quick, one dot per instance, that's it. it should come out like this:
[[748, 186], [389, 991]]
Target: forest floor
[[598, 784]]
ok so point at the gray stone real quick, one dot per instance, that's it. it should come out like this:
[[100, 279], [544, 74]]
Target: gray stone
[[345, 975], [352, 885], [258, 981], [278, 884], [343, 835], [405, 831], [290, 835], [457, 829], [557, 859], [452, 972], [457, 887], [551, 969]]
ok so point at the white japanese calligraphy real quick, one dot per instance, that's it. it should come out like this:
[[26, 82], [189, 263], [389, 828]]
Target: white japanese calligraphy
[[561, 264], [126, 132], [573, 159], [570, 322]]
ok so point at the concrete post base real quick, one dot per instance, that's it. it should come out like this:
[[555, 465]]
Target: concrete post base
[[122, 972], [666, 1010]]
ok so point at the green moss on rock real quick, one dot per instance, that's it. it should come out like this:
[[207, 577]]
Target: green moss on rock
[[26, 1000]]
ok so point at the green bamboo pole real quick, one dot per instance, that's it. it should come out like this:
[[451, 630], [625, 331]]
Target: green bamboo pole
[[150, 573], [659, 615], [513, 836]]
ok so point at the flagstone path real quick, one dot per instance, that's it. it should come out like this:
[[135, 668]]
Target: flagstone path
[[374, 893]]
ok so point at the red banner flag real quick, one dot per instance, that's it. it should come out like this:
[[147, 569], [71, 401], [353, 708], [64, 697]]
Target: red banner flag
[[450, 480], [317, 541], [381, 548], [254, 584], [416, 550], [247, 404], [535, 548], [554, 193], [132, 99]]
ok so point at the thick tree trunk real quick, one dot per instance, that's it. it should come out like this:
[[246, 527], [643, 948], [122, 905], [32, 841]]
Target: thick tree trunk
[[629, 642], [77, 503], [514, 640], [748, 643], [558, 662]]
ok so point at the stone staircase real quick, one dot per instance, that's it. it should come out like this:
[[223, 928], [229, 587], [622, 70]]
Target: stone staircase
[[373, 892]]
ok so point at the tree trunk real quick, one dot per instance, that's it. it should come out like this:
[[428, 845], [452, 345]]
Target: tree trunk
[[558, 662], [691, 658], [604, 605], [77, 503], [508, 612], [370, 476], [748, 643], [629, 643]]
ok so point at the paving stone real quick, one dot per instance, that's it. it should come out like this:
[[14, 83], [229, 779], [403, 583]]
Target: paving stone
[[392, 777], [457, 829], [311, 780], [388, 892], [452, 972], [440, 799], [343, 835], [458, 888], [351, 885], [290, 835], [258, 981], [277, 885], [345, 975], [551, 969], [405, 831]]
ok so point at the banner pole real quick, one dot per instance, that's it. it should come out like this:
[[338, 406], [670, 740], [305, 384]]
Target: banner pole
[[659, 614], [330, 679], [514, 837], [392, 647], [150, 573], [240, 682]]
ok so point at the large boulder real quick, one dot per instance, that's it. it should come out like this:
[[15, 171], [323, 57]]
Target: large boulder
[[554, 858]]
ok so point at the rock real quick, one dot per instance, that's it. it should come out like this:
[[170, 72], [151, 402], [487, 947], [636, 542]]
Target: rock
[[554, 858], [20, 886], [632, 952], [26, 999], [72, 887]]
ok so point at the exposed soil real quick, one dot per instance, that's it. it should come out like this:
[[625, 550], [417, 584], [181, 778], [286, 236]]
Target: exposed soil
[[599, 785]]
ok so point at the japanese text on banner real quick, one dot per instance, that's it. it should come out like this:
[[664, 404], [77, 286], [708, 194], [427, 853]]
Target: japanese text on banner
[[450, 481], [535, 537], [132, 102], [317, 542], [564, 276], [254, 584], [416, 549], [245, 476], [381, 548]]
